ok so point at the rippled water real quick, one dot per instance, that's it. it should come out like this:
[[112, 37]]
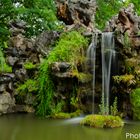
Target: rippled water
[[28, 127]]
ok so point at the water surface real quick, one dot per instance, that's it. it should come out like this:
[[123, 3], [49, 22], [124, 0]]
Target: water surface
[[29, 127]]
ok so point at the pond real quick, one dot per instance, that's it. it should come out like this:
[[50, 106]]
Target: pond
[[29, 127]]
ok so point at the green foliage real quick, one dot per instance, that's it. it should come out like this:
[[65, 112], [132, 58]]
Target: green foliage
[[127, 42], [128, 79], [104, 109], [58, 107], [3, 66], [106, 9], [136, 4], [102, 121], [62, 115], [135, 101], [29, 86], [29, 65], [38, 14], [113, 108], [67, 49], [82, 77]]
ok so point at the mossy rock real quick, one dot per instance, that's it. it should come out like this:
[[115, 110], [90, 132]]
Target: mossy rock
[[127, 79], [62, 115], [102, 121], [82, 77]]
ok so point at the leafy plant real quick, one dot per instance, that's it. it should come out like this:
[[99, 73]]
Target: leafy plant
[[128, 79], [104, 109], [68, 49], [113, 108], [29, 86], [3, 66], [135, 101]]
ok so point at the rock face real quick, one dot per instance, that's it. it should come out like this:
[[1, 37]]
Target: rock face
[[23, 55], [7, 103], [126, 26], [73, 11], [44, 40]]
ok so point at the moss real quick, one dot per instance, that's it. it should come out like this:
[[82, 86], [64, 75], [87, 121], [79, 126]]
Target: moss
[[82, 77], [126, 41], [29, 65], [29, 86], [69, 48], [135, 101], [102, 121], [127, 79], [62, 115]]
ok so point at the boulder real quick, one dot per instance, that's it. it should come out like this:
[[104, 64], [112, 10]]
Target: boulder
[[73, 11], [6, 103], [126, 27]]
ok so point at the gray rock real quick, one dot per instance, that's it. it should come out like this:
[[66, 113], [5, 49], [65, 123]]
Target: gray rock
[[44, 40], [21, 74], [6, 103], [11, 60], [6, 77], [60, 66], [2, 87]]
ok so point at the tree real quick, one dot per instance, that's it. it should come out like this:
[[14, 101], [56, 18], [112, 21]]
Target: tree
[[106, 9], [38, 14]]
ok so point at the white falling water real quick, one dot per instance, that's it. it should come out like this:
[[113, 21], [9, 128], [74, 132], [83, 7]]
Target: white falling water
[[91, 55], [108, 53]]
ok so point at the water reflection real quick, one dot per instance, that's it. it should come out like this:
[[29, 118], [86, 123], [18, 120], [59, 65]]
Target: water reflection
[[28, 127]]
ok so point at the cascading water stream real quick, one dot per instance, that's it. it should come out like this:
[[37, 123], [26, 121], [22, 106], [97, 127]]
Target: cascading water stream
[[108, 53], [91, 55]]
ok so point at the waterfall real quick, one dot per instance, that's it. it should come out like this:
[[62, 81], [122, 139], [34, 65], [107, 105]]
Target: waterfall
[[91, 55], [108, 54]]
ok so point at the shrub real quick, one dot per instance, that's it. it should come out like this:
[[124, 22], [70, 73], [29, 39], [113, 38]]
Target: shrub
[[102, 121], [135, 101], [69, 48], [29, 86]]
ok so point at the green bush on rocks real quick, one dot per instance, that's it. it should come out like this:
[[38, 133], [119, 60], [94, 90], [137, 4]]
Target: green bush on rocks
[[135, 101], [102, 121]]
